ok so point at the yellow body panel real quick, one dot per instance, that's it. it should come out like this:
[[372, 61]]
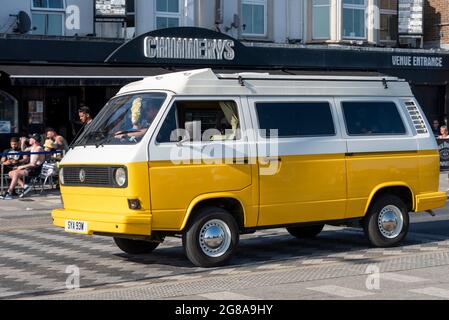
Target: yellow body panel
[[106, 209], [305, 189], [176, 189]]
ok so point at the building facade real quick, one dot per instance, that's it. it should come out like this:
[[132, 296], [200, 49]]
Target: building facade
[[369, 22], [436, 18], [62, 57]]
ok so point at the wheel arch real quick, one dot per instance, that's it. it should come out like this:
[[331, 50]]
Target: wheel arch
[[228, 201], [400, 189]]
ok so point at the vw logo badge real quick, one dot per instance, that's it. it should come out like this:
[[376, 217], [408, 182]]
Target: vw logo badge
[[82, 176]]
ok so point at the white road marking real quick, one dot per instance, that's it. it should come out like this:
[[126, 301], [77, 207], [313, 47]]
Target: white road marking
[[434, 292], [401, 278], [341, 291], [226, 295]]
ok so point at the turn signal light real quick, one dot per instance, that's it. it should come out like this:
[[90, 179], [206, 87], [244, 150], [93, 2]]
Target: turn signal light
[[134, 204]]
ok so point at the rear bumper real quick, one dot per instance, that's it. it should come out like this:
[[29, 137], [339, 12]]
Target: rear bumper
[[429, 201], [138, 224]]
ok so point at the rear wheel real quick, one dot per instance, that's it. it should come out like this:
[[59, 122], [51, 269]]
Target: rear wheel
[[136, 246], [387, 221], [305, 232], [211, 238]]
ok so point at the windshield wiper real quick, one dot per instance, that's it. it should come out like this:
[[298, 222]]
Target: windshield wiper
[[97, 135]]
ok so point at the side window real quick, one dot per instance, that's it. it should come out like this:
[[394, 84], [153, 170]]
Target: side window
[[214, 120], [295, 119], [372, 118]]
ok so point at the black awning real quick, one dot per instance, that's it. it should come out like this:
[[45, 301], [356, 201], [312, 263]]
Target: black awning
[[57, 76]]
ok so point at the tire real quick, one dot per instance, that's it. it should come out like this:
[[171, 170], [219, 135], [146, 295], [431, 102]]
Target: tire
[[135, 246], [305, 232], [207, 254], [393, 212]]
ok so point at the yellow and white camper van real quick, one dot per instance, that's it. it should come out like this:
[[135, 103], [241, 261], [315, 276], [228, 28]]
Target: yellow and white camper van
[[211, 156]]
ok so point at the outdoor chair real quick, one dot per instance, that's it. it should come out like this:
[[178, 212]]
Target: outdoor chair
[[47, 177]]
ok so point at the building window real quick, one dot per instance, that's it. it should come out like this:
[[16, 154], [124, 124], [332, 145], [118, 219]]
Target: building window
[[354, 26], [130, 31], [9, 114], [48, 17], [388, 20], [254, 17], [321, 10], [48, 4], [168, 14]]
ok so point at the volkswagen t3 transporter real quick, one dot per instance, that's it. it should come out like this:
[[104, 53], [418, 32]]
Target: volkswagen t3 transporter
[[211, 156]]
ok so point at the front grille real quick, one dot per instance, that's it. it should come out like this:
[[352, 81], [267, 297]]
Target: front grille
[[94, 176]]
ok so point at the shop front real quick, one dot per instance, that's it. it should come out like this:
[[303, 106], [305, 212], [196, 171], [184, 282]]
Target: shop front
[[34, 95]]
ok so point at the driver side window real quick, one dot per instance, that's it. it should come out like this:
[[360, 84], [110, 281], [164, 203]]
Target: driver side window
[[201, 121]]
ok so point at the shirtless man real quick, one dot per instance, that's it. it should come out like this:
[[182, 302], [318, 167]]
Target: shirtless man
[[32, 168]]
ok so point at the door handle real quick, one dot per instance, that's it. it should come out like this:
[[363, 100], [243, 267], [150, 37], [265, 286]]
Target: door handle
[[240, 161], [267, 160]]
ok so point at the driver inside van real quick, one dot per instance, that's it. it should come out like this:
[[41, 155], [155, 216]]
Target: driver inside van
[[143, 114]]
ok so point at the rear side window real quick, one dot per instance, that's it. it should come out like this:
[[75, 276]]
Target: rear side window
[[372, 118], [295, 119]]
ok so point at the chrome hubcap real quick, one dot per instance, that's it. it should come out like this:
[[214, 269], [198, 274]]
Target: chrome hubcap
[[391, 222], [215, 238]]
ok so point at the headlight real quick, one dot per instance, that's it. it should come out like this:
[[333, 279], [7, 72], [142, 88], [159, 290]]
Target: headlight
[[61, 176], [120, 177]]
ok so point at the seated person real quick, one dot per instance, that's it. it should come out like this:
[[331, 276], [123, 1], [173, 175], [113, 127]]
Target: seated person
[[141, 118], [33, 168], [11, 157], [49, 147]]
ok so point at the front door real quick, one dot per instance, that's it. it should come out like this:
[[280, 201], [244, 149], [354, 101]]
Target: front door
[[302, 165], [200, 151]]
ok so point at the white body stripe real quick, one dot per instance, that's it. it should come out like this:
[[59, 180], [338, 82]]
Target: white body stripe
[[204, 85]]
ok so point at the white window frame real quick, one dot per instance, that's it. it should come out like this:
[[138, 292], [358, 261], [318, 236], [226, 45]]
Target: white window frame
[[33, 8], [354, 7], [330, 24], [165, 14], [47, 13], [265, 6]]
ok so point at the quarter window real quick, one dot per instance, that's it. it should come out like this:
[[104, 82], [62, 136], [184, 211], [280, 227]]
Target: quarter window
[[254, 13], [214, 120], [168, 14], [373, 118], [295, 119]]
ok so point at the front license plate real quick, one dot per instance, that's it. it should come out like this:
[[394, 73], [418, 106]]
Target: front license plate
[[76, 227]]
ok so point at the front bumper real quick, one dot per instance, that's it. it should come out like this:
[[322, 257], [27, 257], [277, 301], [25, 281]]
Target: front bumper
[[430, 201], [104, 223]]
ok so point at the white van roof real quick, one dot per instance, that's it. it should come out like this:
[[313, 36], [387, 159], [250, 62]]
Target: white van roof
[[207, 82]]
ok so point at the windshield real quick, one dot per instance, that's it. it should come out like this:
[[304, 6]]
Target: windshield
[[124, 120]]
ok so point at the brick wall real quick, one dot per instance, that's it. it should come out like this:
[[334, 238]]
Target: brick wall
[[436, 23]]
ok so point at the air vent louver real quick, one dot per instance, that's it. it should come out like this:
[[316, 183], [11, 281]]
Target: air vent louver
[[417, 118]]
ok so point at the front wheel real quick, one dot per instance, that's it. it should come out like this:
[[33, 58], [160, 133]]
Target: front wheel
[[136, 246], [387, 221], [211, 238]]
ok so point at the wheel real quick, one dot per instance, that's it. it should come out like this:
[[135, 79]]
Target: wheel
[[387, 221], [135, 246], [211, 238], [305, 232]]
